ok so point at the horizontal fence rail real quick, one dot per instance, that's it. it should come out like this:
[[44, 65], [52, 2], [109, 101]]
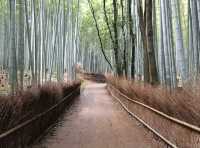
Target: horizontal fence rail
[[25, 133], [175, 120], [165, 140]]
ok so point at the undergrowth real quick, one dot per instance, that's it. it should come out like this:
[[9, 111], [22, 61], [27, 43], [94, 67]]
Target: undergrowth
[[26, 104], [183, 104]]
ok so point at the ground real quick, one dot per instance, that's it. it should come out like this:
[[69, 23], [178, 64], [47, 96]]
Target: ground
[[96, 120]]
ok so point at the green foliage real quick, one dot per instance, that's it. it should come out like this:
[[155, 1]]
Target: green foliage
[[88, 30], [3, 7]]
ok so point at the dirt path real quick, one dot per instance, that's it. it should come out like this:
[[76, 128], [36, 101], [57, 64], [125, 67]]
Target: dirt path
[[95, 120]]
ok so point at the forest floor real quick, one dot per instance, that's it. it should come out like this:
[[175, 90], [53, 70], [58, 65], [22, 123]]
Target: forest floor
[[96, 120]]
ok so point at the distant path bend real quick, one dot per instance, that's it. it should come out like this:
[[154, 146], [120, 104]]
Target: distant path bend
[[96, 120]]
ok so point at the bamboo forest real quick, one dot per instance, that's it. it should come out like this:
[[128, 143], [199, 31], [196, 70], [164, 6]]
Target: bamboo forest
[[99, 73]]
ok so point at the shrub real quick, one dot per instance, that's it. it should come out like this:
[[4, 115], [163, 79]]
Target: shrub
[[26, 104]]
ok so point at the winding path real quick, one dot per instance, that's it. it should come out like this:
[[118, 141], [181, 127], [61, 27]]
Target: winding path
[[96, 120]]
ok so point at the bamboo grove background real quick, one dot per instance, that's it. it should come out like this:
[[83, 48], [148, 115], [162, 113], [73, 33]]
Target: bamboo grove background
[[152, 40], [157, 40]]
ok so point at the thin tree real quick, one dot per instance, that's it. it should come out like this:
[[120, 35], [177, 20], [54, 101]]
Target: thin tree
[[29, 40], [132, 37], [21, 42], [98, 33], [13, 69], [150, 45], [142, 24], [116, 43], [124, 39]]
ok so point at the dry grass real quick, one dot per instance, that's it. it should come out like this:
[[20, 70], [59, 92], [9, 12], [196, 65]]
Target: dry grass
[[178, 135], [26, 104], [183, 104]]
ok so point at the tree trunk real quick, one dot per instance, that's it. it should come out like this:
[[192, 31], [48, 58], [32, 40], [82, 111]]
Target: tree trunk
[[124, 39], [142, 24], [13, 69], [36, 44], [21, 42], [29, 40], [150, 48], [132, 36], [116, 45]]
